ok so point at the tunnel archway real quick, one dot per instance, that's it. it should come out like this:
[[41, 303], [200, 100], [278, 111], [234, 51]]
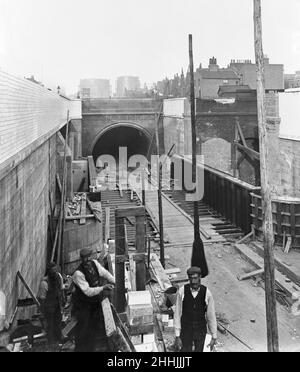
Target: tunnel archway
[[134, 137]]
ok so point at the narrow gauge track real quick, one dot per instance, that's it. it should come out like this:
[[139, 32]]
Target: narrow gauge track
[[218, 222], [113, 199]]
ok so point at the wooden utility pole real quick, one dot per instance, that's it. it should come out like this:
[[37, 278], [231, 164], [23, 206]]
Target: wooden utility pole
[[194, 137], [159, 195], [267, 219], [198, 254], [120, 300], [60, 248], [121, 256], [143, 187]]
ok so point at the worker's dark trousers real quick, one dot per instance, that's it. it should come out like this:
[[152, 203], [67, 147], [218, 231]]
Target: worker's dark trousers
[[53, 324], [193, 336], [89, 327]]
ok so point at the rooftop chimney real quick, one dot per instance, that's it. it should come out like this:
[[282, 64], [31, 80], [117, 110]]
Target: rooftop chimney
[[213, 64]]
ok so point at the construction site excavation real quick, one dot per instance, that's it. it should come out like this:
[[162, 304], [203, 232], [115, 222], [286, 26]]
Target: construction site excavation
[[152, 220]]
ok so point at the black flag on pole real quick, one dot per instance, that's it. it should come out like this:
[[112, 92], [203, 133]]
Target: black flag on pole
[[198, 255]]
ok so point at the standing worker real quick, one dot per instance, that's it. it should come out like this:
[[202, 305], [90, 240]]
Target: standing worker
[[194, 311], [51, 297], [89, 280]]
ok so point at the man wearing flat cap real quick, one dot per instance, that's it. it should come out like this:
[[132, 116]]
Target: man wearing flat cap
[[194, 313], [90, 284]]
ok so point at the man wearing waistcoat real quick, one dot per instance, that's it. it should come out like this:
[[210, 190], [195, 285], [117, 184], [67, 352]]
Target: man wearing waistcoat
[[90, 282], [194, 313]]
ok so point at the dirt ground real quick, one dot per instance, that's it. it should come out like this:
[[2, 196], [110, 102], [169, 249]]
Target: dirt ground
[[241, 304]]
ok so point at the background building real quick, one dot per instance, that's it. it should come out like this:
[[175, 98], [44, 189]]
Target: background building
[[125, 85], [95, 88], [292, 80], [274, 74], [209, 80]]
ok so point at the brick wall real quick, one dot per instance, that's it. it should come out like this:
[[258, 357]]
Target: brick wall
[[30, 116], [215, 125], [27, 112], [24, 208]]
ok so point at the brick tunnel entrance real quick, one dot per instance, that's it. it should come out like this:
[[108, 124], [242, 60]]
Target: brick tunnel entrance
[[136, 139]]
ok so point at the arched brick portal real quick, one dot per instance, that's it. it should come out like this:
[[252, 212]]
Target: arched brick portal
[[100, 115], [133, 136]]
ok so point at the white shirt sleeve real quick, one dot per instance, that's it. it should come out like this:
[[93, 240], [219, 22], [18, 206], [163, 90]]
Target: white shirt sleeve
[[43, 290], [104, 273], [80, 281], [211, 314], [178, 312]]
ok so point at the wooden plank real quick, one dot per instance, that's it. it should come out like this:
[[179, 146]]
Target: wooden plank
[[256, 201], [159, 272], [120, 300], [28, 289], [69, 327], [141, 248], [123, 212], [279, 219], [92, 171], [258, 262], [252, 153], [71, 218], [58, 183], [182, 212], [288, 245], [245, 237], [110, 264], [132, 267], [138, 329], [250, 275], [82, 221], [107, 224], [95, 208], [125, 338], [174, 270], [283, 267], [240, 132], [157, 321], [120, 190], [293, 220], [109, 322], [68, 211]]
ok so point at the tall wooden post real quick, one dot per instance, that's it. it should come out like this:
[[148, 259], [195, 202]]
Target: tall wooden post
[[271, 314], [60, 249], [120, 253], [141, 248], [120, 300], [159, 195], [198, 254], [143, 187], [193, 123]]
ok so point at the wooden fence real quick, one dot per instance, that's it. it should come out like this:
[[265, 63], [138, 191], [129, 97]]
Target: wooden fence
[[286, 219]]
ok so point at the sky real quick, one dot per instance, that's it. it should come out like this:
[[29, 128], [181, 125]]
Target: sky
[[62, 41]]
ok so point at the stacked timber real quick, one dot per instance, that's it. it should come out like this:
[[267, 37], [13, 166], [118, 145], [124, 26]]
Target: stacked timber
[[83, 228], [141, 320]]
